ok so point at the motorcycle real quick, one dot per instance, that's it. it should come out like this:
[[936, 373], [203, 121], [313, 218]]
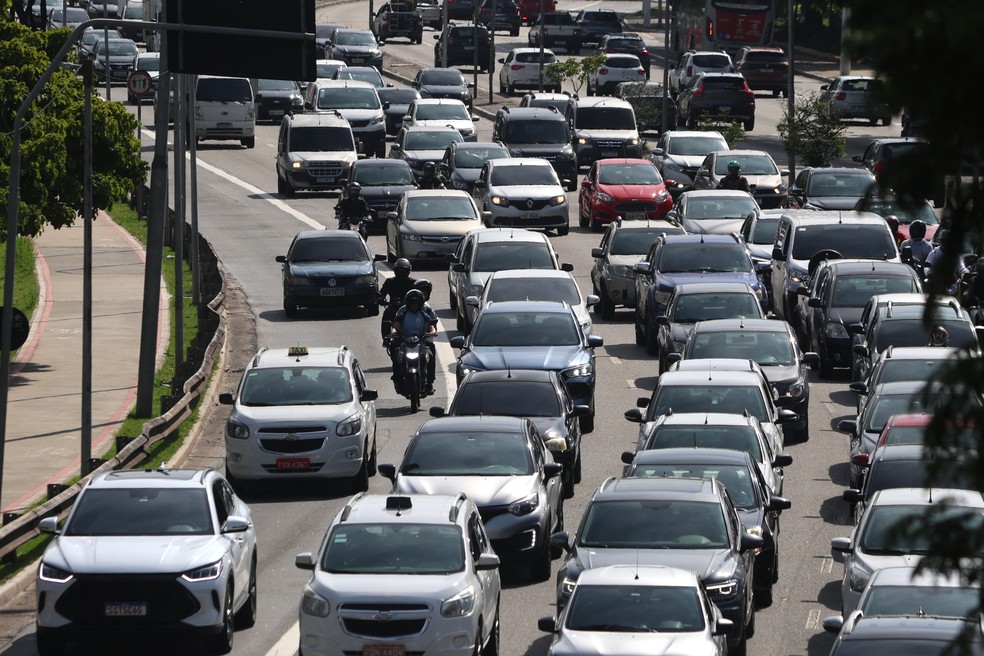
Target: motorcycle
[[411, 369], [390, 309], [356, 224]]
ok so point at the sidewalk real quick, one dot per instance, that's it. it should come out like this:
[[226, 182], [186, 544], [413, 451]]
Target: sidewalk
[[45, 401]]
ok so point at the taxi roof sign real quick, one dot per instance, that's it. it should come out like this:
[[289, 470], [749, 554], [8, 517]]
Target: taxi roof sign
[[297, 351]]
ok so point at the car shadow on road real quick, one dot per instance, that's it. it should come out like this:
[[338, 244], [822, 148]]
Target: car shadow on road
[[836, 511], [820, 644], [844, 397], [314, 314], [839, 474]]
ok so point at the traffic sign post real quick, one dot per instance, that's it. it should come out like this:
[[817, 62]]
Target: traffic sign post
[[139, 84]]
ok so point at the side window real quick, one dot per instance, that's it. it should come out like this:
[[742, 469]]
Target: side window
[[802, 180], [222, 510], [282, 139], [475, 537], [593, 173], [708, 163], [360, 379], [539, 457], [466, 257], [509, 58], [607, 237]]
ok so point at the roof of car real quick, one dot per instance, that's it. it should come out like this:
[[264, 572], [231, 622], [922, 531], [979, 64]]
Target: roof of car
[[602, 101], [648, 224], [708, 377], [424, 509], [700, 238], [856, 266], [327, 234], [527, 306], [823, 217], [697, 489], [536, 50], [318, 120], [758, 325], [898, 452], [431, 69], [622, 35], [519, 161], [676, 134], [620, 55], [714, 287], [539, 113], [898, 387], [379, 163], [920, 352], [914, 311], [917, 419], [638, 575], [707, 365], [476, 145], [336, 84], [715, 193], [692, 456], [622, 160], [530, 273], [736, 151], [147, 478], [474, 424], [506, 234], [431, 128], [510, 375], [438, 101], [889, 630], [896, 140], [308, 356], [549, 95], [705, 419], [905, 496], [435, 193]]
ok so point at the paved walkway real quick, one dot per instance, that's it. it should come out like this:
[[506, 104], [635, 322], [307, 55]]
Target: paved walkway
[[45, 401]]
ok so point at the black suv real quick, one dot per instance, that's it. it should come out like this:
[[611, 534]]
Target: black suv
[[538, 132], [596, 23], [463, 40], [383, 182]]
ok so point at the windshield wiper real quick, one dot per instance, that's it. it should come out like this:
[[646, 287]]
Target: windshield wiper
[[621, 628]]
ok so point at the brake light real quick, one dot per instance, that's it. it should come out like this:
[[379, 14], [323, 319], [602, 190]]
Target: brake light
[[608, 52], [516, 67], [747, 90], [603, 70], [690, 71], [879, 165], [710, 29], [641, 71], [699, 91], [644, 51], [841, 96]]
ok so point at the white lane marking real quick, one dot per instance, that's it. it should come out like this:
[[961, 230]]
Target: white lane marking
[[813, 620], [288, 643], [631, 384], [615, 361], [827, 565]]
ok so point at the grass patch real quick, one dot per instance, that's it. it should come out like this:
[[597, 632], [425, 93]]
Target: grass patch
[[25, 282], [26, 553]]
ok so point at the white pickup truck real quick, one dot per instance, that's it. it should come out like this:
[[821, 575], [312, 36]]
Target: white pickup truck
[[556, 29]]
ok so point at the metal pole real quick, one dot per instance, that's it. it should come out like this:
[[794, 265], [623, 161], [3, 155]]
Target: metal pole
[[86, 441], [444, 35], [106, 66], [180, 146], [791, 90], [539, 76], [647, 12], [495, 7], [845, 57], [474, 92], [193, 167], [139, 199], [665, 118]]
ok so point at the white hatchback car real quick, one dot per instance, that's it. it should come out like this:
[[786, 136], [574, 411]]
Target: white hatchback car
[[616, 69], [409, 574], [521, 68], [439, 112], [522, 192]]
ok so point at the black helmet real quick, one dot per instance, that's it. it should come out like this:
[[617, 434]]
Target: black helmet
[[917, 230], [424, 287], [430, 168], [415, 296], [402, 267], [354, 189]]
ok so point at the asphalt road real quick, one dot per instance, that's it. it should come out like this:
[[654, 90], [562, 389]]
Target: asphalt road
[[248, 225]]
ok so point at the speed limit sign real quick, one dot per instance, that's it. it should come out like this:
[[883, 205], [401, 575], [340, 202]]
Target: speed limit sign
[[139, 84]]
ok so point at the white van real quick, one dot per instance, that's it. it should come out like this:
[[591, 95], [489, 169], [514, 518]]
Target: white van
[[224, 109]]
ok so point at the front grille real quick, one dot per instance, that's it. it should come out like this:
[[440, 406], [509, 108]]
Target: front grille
[[635, 206], [609, 144], [528, 204], [325, 280], [382, 607], [548, 157], [325, 169], [454, 239], [167, 600], [292, 446], [283, 430], [384, 629], [359, 124], [312, 468]]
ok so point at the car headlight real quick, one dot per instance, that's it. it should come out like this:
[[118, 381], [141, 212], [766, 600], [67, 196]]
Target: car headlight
[[297, 165], [350, 426], [367, 279], [663, 197], [209, 572], [468, 130], [603, 197], [662, 297], [376, 120], [296, 100], [633, 142], [314, 604], [297, 280], [409, 236], [53, 574], [836, 330], [558, 200], [459, 605], [376, 53], [464, 370], [525, 506], [236, 429], [797, 389], [583, 140], [251, 113], [724, 590], [580, 370], [858, 579], [499, 200]]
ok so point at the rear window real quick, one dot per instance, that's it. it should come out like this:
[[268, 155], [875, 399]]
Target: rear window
[[733, 438], [637, 242], [863, 241], [842, 184], [694, 146], [398, 96], [605, 118], [750, 164], [347, 98], [436, 140], [703, 258], [625, 43], [536, 131], [558, 18], [529, 174], [724, 83], [711, 61], [534, 57], [535, 289], [765, 57], [223, 89], [515, 399], [446, 78], [622, 62], [862, 85], [500, 256]]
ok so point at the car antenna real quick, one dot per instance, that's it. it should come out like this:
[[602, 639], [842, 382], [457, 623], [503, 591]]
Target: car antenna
[[481, 400], [710, 371], [637, 565], [702, 236], [840, 217], [705, 419]]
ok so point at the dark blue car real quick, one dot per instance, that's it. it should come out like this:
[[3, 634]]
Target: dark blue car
[[676, 259]]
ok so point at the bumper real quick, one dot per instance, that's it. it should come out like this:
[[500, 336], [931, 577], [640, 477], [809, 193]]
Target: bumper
[[301, 179], [429, 248], [545, 218], [517, 539], [338, 457], [620, 290], [325, 636], [357, 60], [566, 168], [276, 113], [312, 296], [588, 153], [607, 213], [225, 133]]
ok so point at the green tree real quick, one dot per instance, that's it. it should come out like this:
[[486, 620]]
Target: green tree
[[814, 134], [574, 70], [732, 131], [52, 136]]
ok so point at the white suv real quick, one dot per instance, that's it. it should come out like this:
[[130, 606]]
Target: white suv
[[302, 413], [616, 69], [698, 61], [438, 112], [402, 575], [523, 192], [521, 68]]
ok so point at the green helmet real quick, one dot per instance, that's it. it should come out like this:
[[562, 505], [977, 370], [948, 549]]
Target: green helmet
[[734, 165]]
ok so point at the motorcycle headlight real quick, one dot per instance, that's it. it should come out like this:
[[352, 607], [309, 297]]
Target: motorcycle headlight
[[351, 426], [836, 330], [460, 605], [724, 590], [53, 574], [558, 200], [499, 200], [603, 197], [797, 389], [580, 370], [209, 572], [314, 604], [525, 506], [236, 429]]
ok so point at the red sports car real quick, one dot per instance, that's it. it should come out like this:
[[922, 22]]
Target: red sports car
[[630, 189]]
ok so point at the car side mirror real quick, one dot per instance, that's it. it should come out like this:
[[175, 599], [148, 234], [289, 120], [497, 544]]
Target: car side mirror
[[567, 266], [480, 184], [458, 342], [437, 37], [855, 328], [281, 258], [777, 255], [673, 358], [226, 398], [856, 158], [859, 388], [763, 267], [839, 547], [581, 410], [832, 624], [561, 540], [235, 524], [486, 216], [824, 87], [723, 626], [591, 300], [634, 415], [852, 496], [782, 460], [861, 349], [586, 184], [502, 61], [552, 469], [778, 504], [786, 416], [628, 457], [387, 471], [487, 562], [786, 401], [747, 542], [663, 320], [458, 267], [368, 395], [304, 561], [437, 411], [814, 302], [48, 525], [658, 152], [849, 426], [595, 341], [471, 301], [597, 252], [546, 624], [811, 359], [640, 267]]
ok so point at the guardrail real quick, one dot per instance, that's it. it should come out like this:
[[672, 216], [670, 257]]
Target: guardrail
[[23, 528]]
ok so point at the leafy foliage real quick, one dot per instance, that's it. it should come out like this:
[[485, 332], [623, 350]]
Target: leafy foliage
[[732, 131], [814, 134], [576, 71], [52, 136]]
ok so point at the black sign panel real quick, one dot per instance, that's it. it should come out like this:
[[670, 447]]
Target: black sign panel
[[205, 53], [20, 329]]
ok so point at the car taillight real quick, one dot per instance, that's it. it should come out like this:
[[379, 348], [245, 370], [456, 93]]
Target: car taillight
[[699, 91], [841, 96], [747, 90], [879, 165], [603, 70], [644, 51], [641, 71], [517, 67], [690, 71]]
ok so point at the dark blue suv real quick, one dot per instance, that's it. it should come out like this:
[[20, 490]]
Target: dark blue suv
[[677, 259]]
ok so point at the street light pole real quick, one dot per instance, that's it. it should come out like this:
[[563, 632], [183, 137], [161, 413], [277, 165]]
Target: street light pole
[[791, 88], [85, 451], [665, 117], [444, 35], [495, 9], [539, 38]]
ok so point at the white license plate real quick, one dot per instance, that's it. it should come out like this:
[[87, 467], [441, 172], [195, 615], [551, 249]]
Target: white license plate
[[358, 60], [529, 215], [276, 112], [635, 216], [126, 609], [609, 153], [469, 47], [332, 292]]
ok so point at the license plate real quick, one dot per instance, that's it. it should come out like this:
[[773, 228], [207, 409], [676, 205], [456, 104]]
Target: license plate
[[609, 153], [766, 70], [276, 112], [383, 650], [225, 125], [469, 46], [126, 609], [529, 215], [328, 291], [724, 109], [358, 60], [293, 464], [635, 216]]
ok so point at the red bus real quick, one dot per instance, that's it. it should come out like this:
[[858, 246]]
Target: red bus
[[722, 24]]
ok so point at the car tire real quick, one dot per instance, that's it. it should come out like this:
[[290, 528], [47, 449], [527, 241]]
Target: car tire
[[582, 220], [750, 626], [652, 344], [640, 336], [249, 142], [568, 484], [573, 185], [372, 310], [588, 89], [514, 31], [564, 231], [459, 323], [763, 598], [49, 645], [289, 190], [775, 94], [290, 309], [541, 564], [281, 186], [360, 481], [886, 121], [246, 616], [511, 90], [573, 47], [595, 224], [492, 646], [749, 125], [577, 466], [372, 466], [453, 302], [606, 308], [221, 643]]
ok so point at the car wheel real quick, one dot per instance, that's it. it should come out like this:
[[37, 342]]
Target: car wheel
[[750, 626], [514, 32], [886, 121], [563, 232], [49, 645], [872, 121], [281, 186], [541, 564], [763, 598], [595, 223], [691, 122], [573, 185], [477, 649], [492, 646], [652, 344], [803, 434], [577, 466], [289, 188], [605, 305], [826, 368], [640, 336], [372, 465], [502, 88], [246, 617], [290, 309], [511, 90], [372, 310], [582, 220], [749, 125], [587, 423], [360, 482], [573, 47], [775, 94], [221, 643], [249, 142], [453, 301], [568, 484], [590, 92], [459, 323]]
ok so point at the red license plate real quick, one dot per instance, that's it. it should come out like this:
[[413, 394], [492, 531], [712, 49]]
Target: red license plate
[[293, 464], [383, 650]]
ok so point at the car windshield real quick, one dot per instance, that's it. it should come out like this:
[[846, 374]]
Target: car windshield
[[442, 78], [691, 308], [733, 438], [840, 184], [872, 241], [523, 175], [535, 132], [736, 478], [637, 241], [514, 398], [380, 176], [703, 258], [326, 70], [324, 31], [475, 158], [729, 399], [694, 146], [467, 453], [347, 98], [711, 61], [635, 609], [431, 139], [921, 600], [766, 57], [148, 63], [321, 139], [605, 118], [767, 348], [397, 96], [395, 548], [629, 174], [764, 231], [141, 511], [280, 386], [354, 38], [891, 474], [504, 255], [436, 208], [94, 36], [883, 533], [525, 329], [533, 289], [276, 85], [906, 215], [913, 332], [750, 164], [700, 209], [886, 405], [117, 48], [722, 83], [369, 75], [654, 524], [328, 250], [450, 111], [223, 89], [893, 370], [856, 292]]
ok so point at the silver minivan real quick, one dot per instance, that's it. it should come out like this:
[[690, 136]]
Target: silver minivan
[[224, 110]]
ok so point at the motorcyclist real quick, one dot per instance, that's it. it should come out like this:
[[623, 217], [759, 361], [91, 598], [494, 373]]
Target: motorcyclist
[[734, 180], [393, 291], [415, 318], [429, 179], [937, 253], [917, 240], [972, 291], [893, 225], [352, 207]]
